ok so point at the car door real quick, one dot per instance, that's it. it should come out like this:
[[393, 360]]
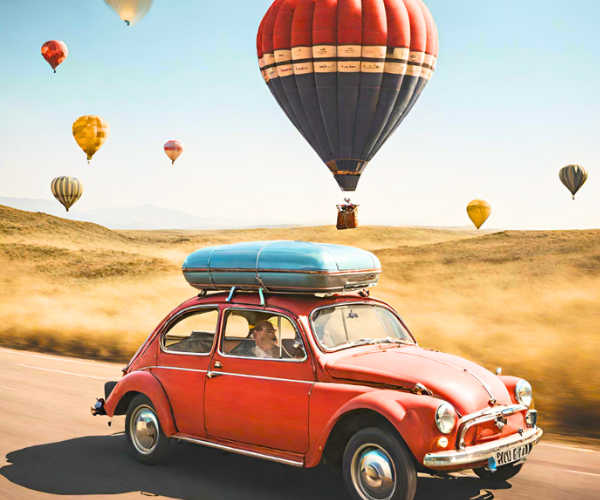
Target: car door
[[259, 400], [186, 345]]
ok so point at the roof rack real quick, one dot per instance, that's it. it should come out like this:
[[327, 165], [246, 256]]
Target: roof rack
[[261, 292]]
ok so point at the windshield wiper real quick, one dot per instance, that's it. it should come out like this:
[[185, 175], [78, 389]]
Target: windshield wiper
[[386, 340], [390, 340], [361, 342]]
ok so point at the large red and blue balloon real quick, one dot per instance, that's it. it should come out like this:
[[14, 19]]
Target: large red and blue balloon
[[347, 72]]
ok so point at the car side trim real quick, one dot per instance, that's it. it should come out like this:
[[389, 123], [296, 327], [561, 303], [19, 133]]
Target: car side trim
[[264, 378], [295, 463], [173, 368], [229, 373]]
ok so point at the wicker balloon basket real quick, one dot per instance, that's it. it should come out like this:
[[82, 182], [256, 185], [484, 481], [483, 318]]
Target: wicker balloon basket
[[347, 216]]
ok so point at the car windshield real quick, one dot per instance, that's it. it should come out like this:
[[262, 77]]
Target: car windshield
[[349, 325]]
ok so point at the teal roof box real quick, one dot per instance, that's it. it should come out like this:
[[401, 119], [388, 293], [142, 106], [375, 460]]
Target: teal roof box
[[282, 266]]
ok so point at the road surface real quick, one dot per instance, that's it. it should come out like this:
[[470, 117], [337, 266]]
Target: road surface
[[51, 445]]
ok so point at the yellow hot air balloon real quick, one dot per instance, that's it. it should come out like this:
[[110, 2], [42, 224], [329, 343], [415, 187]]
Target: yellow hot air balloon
[[67, 190], [90, 132], [130, 11], [573, 177], [479, 211]]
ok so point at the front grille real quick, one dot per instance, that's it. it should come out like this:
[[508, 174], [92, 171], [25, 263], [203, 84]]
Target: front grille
[[479, 427]]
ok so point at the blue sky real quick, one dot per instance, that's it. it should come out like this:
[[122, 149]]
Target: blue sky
[[514, 98]]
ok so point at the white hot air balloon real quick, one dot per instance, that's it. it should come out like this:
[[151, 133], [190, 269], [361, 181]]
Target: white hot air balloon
[[130, 11], [173, 150]]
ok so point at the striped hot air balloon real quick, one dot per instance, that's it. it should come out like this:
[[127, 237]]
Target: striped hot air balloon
[[54, 52], [479, 211], [67, 190], [347, 72], [573, 177], [130, 11], [90, 132], [173, 150]]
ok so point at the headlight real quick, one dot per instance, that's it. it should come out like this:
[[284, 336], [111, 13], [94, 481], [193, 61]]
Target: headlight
[[445, 418], [523, 392]]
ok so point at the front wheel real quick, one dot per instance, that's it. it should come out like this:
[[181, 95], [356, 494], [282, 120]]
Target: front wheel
[[145, 436], [378, 466], [503, 473]]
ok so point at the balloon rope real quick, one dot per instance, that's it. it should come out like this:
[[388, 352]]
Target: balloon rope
[[347, 200]]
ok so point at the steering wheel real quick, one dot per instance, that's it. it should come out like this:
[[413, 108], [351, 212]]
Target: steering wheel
[[299, 351]]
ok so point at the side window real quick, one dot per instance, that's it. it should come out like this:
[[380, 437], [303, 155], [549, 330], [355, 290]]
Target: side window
[[194, 333], [254, 334]]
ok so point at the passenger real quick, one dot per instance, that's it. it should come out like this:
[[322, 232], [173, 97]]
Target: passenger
[[265, 338]]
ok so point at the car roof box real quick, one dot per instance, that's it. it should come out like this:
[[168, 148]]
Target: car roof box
[[282, 266]]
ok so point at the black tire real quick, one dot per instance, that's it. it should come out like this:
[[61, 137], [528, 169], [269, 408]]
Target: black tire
[[156, 441], [501, 475], [365, 452]]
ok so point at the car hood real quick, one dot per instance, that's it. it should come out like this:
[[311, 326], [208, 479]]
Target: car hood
[[456, 380]]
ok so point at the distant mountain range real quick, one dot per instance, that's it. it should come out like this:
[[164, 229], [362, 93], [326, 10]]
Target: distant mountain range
[[146, 217], [150, 217]]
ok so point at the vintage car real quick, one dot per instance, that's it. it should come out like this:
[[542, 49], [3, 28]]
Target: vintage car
[[283, 355]]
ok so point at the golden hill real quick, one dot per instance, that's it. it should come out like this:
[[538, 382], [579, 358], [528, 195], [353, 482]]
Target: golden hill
[[525, 301]]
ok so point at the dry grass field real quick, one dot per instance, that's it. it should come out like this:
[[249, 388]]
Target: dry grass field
[[526, 301]]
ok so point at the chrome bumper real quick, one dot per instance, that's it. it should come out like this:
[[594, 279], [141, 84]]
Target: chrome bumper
[[486, 415], [482, 452]]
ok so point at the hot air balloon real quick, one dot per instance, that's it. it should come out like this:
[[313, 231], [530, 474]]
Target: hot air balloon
[[173, 150], [479, 211], [55, 52], [90, 132], [347, 72], [67, 190], [573, 177], [130, 11]]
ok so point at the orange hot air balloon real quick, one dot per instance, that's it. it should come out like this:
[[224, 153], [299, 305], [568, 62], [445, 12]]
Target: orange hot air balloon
[[90, 132], [55, 52], [173, 149], [479, 211]]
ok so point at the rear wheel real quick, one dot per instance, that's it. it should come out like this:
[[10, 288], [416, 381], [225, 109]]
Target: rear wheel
[[503, 473], [145, 436], [378, 466]]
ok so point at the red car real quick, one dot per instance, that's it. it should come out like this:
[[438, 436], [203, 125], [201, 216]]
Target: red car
[[304, 379]]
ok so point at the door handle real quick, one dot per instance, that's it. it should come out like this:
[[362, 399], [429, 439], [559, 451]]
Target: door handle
[[218, 365], [214, 374]]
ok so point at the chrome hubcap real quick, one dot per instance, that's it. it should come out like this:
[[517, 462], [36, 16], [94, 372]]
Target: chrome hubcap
[[373, 473], [144, 430]]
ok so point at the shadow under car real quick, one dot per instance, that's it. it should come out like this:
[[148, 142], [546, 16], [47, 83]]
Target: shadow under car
[[101, 465]]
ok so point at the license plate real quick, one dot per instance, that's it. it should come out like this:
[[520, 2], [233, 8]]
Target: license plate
[[511, 455]]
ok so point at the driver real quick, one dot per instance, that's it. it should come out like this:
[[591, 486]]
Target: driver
[[265, 337]]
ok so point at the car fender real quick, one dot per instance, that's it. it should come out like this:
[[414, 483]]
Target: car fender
[[412, 415], [145, 383]]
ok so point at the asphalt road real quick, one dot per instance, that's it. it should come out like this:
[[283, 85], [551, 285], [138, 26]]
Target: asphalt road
[[51, 445]]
